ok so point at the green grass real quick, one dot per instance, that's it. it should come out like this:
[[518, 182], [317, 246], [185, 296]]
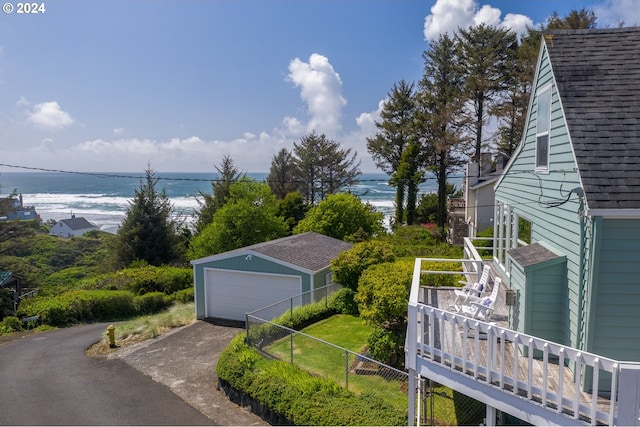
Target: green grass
[[146, 327], [314, 356]]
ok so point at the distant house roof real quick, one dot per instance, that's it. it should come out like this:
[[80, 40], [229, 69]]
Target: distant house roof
[[310, 251], [6, 277], [598, 77], [77, 223]]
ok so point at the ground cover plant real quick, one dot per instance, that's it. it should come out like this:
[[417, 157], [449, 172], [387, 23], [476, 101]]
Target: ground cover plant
[[145, 327]]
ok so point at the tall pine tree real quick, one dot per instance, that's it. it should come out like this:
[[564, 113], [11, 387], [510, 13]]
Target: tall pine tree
[[148, 232]]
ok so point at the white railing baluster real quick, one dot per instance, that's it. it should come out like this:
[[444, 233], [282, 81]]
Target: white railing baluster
[[560, 380], [594, 390], [454, 331], [578, 381], [516, 343], [545, 369], [441, 334], [530, 370], [613, 398], [476, 349], [502, 346]]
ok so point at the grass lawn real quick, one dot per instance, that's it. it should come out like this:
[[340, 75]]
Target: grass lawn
[[351, 332]]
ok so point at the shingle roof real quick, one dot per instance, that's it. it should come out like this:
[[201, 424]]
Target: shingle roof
[[532, 254], [598, 78], [310, 251], [78, 223]]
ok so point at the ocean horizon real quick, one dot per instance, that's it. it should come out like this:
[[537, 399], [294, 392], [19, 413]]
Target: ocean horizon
[[103, 198]]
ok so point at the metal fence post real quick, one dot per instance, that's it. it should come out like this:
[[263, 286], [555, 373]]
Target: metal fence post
[[246, 323], [346, 369], [291, 345]]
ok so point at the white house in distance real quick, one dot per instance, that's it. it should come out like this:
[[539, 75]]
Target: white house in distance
[[72, 227]]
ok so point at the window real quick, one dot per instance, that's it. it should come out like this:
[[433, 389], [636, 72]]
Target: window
[[543, 124], [524, 230]]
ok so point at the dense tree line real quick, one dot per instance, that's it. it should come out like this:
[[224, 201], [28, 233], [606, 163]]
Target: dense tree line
[[477, 79]]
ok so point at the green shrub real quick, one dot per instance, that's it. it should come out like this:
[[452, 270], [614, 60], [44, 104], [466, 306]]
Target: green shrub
[[349, 265], [301, 398], [387, 345], [79, 306], [144, 279], [150, 303], [342, 301], [10, 324], [184, 296]]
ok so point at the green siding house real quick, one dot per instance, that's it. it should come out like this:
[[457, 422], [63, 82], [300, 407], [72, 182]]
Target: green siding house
[[568, 202], [231, 284]]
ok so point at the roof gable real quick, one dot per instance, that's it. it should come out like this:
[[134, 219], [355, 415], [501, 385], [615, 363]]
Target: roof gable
[[77, 223], [310, 251], [597, 73]]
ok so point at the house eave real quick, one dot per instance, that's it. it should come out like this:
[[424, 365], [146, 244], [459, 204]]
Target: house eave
[[614, 213]]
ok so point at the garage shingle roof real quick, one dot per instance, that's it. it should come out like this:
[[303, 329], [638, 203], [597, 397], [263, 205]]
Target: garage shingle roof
[[310, 250], [598, 78]]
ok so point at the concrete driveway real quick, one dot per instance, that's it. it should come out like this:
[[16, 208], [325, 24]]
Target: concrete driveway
[[184, 360], [46, 379]]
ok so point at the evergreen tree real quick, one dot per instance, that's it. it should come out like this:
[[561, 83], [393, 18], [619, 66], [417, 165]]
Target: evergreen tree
[[322, 167], [388, 146], [485, 56], [281, 176], [147, 232], [210, 203], [439, 119], [574, 20]]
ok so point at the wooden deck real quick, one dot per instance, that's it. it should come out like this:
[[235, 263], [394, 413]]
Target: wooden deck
[[544, 378]]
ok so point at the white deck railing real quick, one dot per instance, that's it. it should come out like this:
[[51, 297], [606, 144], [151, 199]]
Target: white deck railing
[[527, 372]]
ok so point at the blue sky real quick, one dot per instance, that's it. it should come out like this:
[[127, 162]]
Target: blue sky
[[114, 85]]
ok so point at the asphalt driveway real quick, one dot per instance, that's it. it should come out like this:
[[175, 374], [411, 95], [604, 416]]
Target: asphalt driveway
[[46, 379]]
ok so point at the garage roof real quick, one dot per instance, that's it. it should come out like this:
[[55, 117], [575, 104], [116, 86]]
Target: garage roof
[[310, 251]]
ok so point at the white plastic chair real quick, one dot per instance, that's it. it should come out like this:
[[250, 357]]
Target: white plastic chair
[[471, 291], [485, 306]]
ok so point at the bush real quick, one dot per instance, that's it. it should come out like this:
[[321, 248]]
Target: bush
[[91, 306], [387, 346], [9, 325], [349, 265], [184, 296], [342, 301], [383, 292], [297, 396], [150, 303], [144, 279]]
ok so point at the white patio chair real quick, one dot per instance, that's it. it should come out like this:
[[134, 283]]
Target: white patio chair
[[471, 291], [485, 306]]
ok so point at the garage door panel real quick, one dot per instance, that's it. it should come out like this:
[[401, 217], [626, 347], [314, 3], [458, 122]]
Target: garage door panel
[[231, 294]]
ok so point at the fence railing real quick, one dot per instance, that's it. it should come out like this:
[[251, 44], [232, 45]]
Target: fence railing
[[288, 304], [356, 372]]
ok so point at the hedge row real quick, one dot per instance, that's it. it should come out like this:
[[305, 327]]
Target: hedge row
[[296, 395], [286, 393], [91, 306], [143, 280]]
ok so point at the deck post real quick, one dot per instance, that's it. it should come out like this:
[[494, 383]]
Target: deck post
[[412, 397], [490, 416], [628, 395]]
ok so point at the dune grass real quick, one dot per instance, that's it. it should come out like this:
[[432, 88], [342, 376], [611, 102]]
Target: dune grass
[[146, 327]]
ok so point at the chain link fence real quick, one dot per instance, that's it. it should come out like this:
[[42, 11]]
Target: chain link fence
[[358, 373], [355, 372]]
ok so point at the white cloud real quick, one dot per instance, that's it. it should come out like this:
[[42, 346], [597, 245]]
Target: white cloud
[[23, 102], [50, 116], [118, 131], [321, 89], [611, 12], [449, 15]]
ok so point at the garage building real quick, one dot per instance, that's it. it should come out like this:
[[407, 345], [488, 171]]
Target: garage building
[[231, 284]]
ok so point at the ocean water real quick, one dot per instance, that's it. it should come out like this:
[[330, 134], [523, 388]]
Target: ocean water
[[103, 198]]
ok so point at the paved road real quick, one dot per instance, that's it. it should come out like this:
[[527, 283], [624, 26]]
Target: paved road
[[46, 379]]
